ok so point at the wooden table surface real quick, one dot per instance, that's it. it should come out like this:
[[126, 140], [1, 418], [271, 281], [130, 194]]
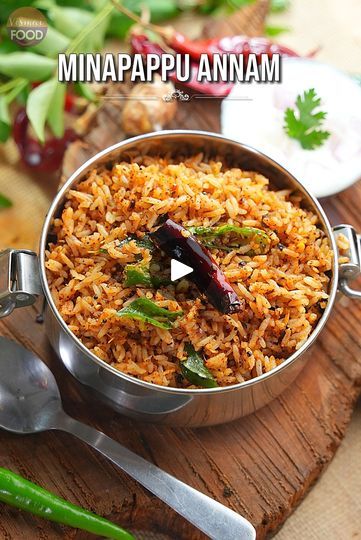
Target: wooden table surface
[[261, 466]]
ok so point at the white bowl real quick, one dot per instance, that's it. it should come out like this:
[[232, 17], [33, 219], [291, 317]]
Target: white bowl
[[253, 114]]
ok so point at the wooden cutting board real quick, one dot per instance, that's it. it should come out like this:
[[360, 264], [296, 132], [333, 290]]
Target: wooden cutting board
[[260, 466]]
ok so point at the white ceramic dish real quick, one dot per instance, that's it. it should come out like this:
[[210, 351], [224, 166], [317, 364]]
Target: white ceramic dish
[[258, 122]]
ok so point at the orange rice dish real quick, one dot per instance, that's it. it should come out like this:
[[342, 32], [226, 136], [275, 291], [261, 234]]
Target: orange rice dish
[[102, 247]]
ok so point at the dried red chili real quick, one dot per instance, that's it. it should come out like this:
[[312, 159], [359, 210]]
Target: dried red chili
[[70, 103], [230, 44], [142, 45], [39, 157], [179, 244]]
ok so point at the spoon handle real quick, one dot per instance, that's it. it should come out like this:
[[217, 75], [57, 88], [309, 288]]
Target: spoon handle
[[213, 518]]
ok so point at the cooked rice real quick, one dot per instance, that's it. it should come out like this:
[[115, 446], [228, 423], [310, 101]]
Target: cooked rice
[[283, 293]]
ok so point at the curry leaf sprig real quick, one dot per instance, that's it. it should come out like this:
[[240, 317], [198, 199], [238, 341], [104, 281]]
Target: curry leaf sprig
[[45, 102], [145, 310], [303, 125], [73, 26]]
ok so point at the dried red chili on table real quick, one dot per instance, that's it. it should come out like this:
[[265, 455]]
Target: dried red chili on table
[[179, 244]]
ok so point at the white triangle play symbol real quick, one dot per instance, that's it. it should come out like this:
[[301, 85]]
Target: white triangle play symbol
[[178, 270]]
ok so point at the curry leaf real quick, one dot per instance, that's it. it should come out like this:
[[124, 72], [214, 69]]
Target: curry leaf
[[38, 105], [71, 20], [67, 20], [55, 116], [5, 202], [91, 37], [5, 128], [149, 312], [5, 99], [53, 43], [194, 370], [85, 91], [28, 65], [7, 46], [143, 242]]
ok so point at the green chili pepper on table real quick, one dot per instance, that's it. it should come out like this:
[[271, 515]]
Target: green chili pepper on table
[[19, 492]]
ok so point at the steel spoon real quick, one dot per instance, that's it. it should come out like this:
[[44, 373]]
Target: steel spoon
[[30, 402]]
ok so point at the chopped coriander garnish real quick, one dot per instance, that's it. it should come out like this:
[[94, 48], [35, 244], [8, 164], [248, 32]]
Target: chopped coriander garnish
[[274, 31], [303, 126]]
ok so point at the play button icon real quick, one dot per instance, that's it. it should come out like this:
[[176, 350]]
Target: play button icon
[[179, 270]]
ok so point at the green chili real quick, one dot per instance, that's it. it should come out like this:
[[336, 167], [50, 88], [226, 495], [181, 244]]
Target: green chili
[[194, 370], [85, 91], [28, 65], [139, 274], [238, 236], [19, 492], [143, 242]]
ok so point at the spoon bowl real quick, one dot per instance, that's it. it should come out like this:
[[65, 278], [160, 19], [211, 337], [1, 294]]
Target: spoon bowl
[[29, 395], [30, 402]]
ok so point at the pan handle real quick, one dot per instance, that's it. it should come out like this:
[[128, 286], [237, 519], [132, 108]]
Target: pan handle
[[351, 269], [19, 280]]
